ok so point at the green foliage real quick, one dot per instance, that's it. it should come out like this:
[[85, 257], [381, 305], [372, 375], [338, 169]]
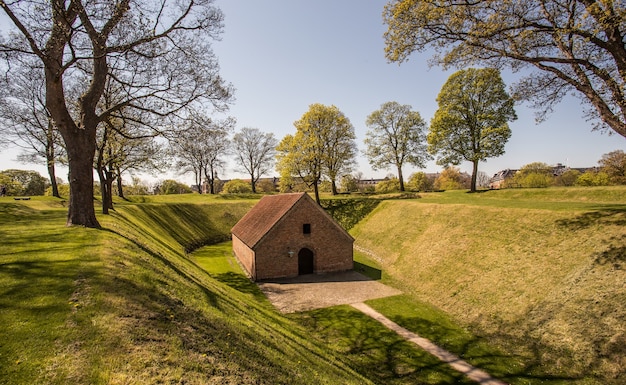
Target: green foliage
[[21, 182], [64, 190], [577, 48], [471, 123], [451, 179], [396, 136], [419, 181], [534, 175], [614, 166], [593, 178], [388, 186], [568, 178], [236, 186], [170, 186], [323, 146], [349, 183]]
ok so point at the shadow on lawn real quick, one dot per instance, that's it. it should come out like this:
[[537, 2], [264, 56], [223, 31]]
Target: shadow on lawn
[[615, 253], [385, 357]]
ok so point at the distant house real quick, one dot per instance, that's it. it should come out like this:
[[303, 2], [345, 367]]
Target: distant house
[[500, 177], [287, 235]]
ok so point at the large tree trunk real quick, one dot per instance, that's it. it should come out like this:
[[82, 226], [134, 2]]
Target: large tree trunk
[[253, 182], [80, 152], [120, 189], [474, 176], [400, 178]]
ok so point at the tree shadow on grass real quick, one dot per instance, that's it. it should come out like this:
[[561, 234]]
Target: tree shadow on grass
[[375, 351], [615, 215], [240, 283]]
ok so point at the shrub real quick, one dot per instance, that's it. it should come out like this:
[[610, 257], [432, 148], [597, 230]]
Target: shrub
[[388, 186], [170, 186], [236, 186]]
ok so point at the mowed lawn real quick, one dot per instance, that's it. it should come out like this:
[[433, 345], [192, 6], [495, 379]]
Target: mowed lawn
[[541, 274]]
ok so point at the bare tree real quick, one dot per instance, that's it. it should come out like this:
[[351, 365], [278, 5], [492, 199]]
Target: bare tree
[[157, 52], [26, 121], [202, 148], [254, 152]]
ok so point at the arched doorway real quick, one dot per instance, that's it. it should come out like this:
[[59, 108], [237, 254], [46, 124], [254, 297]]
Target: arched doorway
[[305, 261]]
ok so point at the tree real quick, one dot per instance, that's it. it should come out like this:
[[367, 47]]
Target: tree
[[419, 181], [158, 54], [614, 165], [534, 175], [236, 186], [396, 137], [255, 152], [20, 182], [451, 178], [471, 122], [323, 146], [575, 47], [203, 147], [27, 122]]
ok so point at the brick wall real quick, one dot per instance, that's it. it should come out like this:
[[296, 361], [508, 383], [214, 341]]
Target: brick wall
[[331, 247]]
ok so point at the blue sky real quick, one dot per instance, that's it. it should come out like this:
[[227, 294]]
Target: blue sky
[[282, 56]]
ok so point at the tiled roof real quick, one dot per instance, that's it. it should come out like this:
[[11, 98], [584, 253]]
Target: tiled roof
[[263, 216]]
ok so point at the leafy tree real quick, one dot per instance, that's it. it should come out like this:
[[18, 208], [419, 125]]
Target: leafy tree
[[614, 165], [534, 175], [471, 122], [170, 186], [323, 146], [593, 178], [255, 152], [451, 178], [568, 178], [396, 137], [158, 54], [236, 186], [574, 46], [21, 182], [419, 181], [388, 186]]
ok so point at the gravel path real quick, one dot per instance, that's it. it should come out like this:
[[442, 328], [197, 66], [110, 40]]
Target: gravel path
[[315, 291]]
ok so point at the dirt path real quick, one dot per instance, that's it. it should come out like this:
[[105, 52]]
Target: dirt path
[[316, 291], [454, 361]]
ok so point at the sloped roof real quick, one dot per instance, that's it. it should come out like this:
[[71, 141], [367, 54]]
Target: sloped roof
[[267, 213]]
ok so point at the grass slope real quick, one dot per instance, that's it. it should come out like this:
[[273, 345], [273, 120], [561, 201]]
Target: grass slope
[[540, 273], [126, 305]]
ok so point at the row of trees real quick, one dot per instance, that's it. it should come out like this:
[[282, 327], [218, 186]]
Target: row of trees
[[471, 124], [148, 66]]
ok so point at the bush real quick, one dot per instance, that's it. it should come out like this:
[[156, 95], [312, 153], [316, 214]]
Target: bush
[[388, 186], [419, 181], [64, 190], [592, 178], [170, 186], [236, 186]]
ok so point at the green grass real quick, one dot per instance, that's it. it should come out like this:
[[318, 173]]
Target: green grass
[[537, 274], [127, 305], [526, 284]]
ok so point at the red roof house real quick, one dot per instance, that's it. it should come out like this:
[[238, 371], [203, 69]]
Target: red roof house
[[287, 235]]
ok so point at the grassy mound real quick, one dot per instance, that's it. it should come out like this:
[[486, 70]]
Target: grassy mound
[[538, 272], [126, 305]]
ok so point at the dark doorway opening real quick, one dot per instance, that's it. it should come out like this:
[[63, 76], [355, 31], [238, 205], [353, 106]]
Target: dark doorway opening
[[305, 261]]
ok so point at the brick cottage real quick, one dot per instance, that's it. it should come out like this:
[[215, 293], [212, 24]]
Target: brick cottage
[[287, 235]]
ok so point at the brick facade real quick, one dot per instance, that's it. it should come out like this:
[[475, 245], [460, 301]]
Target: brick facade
[[303, 224]]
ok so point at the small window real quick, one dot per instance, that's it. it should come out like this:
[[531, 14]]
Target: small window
[[306, 228]]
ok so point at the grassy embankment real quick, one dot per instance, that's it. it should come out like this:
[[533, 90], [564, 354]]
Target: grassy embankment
[[540, 274], [126, 305]]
